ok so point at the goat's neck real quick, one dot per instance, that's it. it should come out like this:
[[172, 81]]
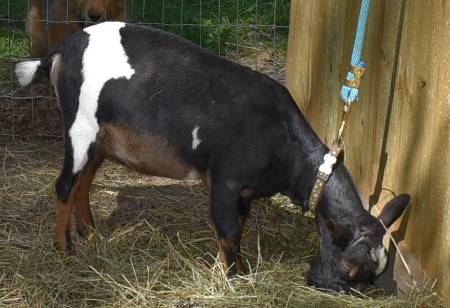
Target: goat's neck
[[340, 199]]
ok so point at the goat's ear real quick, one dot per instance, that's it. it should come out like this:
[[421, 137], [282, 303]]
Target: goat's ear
[[394, 209], [340, 233]]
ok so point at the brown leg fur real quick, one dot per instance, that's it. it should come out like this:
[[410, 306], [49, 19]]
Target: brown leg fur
[[224, 255], [240, 268], [63, 211], [83, 213], [225, 251]]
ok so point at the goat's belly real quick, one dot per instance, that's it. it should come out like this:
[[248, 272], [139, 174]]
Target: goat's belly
[[145, 153]]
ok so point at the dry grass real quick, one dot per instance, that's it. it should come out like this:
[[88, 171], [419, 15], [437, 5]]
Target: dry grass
[[153, 245]]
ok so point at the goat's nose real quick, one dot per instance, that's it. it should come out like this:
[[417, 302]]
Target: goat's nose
[[94, 16]]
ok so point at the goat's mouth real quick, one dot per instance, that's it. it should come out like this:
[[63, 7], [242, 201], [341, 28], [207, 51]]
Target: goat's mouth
[[95, 18], [340, 285], [337, 278], [345, 268], [349, 271], [89, 22]]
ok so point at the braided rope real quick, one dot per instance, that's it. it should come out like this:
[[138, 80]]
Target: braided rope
[[349, 93]]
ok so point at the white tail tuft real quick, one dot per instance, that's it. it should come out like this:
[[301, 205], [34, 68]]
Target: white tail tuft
[[25, 71]]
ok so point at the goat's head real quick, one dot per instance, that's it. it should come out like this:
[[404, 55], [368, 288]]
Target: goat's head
[[352, 253], [102, 10]]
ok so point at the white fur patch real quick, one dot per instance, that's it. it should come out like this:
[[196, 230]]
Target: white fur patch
[[192, 175], [358, 240], [25, 71], [381, 256], [56, 66], [104, 59], [195, 140], [56, 62]]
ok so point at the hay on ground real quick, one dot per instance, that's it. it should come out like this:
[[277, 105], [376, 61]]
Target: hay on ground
[[153, 245]]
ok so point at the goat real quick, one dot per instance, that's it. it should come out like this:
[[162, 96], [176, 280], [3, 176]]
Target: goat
[[164, 106], [47, 27]]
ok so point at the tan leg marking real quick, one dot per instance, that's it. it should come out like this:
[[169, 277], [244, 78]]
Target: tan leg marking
[[83, 213], [240, 268], [63, 211], [225, 257], [224, 251]]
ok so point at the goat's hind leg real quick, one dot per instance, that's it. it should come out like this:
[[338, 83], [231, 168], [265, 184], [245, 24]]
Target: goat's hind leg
[[72, 190], [83, 213], [66, 187]]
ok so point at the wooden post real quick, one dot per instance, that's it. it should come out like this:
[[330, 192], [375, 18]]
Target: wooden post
[[398, 137], [320, 42], [419, 138]]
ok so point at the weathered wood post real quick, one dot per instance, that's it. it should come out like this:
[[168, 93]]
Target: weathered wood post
[[399, 132]]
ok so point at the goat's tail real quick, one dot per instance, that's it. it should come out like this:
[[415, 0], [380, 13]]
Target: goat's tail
[[26, 70]]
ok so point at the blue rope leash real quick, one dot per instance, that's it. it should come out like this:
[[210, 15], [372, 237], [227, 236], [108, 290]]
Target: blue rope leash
[[349, 94], [349, 91]]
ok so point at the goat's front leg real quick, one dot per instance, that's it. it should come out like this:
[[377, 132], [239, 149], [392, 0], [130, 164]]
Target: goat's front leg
[[226, 218], [244, 207]]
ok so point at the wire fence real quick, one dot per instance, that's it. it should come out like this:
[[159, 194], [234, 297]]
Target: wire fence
[[251, 32]]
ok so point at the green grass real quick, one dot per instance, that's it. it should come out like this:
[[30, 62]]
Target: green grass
[[201, 21], [13, 43], [13, 9], [205, 23], [238, 29]]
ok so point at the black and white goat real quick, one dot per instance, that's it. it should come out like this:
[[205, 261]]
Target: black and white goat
[[163, 106]]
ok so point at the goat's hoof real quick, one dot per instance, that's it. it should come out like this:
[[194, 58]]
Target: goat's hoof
[[65, 247]]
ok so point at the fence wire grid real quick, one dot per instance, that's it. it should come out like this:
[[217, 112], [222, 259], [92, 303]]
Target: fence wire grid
[[251, 32]]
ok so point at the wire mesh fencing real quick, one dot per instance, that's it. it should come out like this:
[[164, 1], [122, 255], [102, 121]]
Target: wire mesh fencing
[[251, 32]]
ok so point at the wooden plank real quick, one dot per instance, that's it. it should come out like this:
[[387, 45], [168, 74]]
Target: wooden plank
[[419, 142], [314, 54], [415, 133], [320, 43], [366, 127]]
